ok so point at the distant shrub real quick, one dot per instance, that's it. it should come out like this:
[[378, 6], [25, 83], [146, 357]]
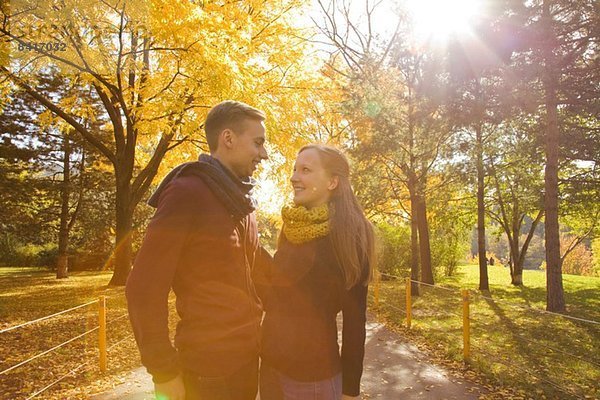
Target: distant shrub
[[32, 255], [447, 249], [394, 256], [579, 262], [90, 261], [596, 256]]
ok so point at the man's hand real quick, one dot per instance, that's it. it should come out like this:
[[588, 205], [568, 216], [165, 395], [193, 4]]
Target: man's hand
[[170, 390], [346, 397]]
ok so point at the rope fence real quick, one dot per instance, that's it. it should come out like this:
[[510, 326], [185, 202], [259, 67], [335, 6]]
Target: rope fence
[[453, 290], [119, 342], [46, 317], [509, 304], [101, 327], [47, 351], [71, 372], [465, 298]]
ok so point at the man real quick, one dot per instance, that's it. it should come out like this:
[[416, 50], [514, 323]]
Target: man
[[201, 243]]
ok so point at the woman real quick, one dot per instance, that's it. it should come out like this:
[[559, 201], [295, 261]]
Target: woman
[[322, 266]]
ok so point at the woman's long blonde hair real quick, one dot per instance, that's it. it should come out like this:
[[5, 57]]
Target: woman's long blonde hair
[[352, 234]]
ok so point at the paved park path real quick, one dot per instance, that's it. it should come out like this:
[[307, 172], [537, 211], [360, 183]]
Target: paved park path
[[394, 369]]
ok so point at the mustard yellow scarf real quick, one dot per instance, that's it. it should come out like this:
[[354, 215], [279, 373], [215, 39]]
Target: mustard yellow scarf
[[301, 225]]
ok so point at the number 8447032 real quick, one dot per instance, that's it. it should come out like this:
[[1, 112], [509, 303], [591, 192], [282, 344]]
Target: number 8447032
[[49, 46]]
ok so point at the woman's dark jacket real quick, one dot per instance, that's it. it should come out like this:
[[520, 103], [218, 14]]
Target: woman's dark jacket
[[193, 246], [302, 291]]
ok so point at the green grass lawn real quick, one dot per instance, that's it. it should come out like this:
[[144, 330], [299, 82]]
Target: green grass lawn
[[513, 341], [27, 294]]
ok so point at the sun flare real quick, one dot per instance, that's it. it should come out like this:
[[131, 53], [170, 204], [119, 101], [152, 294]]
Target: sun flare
[[438, 19]]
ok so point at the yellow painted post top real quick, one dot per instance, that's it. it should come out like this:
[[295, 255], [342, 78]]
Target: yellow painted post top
[[102, 359]]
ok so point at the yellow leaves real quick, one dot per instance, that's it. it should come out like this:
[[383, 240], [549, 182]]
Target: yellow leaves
[[5, 49], [188, 56], [47, 118], [138, 10]]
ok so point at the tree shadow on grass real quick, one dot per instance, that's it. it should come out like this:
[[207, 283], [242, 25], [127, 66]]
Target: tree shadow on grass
[[456, 278], [545, 342], [582, 303]]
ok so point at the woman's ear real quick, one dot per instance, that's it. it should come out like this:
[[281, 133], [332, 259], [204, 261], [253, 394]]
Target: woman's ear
[[333, 182]]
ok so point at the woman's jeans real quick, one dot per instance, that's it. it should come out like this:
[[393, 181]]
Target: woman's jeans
[[241, 385], [276, 386]]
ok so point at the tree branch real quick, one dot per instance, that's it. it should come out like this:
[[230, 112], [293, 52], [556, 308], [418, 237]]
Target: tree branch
[[61, 113]]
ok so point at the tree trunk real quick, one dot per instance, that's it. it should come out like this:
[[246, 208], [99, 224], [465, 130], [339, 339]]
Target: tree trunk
[[523, 250], [516, 277], [554, 292], [124, 218], [424, 246], [412, 189], [483, 270], [62, 263], [414, 240]]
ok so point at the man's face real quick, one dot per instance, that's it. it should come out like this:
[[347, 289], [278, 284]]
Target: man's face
[[248, 148]]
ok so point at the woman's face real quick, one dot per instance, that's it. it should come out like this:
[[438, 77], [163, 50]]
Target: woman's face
[[312, 184]]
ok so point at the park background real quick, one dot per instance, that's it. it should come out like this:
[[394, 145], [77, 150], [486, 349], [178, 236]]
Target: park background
[[472, 129]]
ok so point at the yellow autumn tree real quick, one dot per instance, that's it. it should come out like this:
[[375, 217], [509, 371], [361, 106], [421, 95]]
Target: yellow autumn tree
[[156, 67]]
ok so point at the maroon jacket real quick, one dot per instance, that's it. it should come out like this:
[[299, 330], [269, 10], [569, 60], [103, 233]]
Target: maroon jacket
[[193, 246]]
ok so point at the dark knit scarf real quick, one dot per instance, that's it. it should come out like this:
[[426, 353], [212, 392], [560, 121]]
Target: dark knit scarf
[[232, 192]]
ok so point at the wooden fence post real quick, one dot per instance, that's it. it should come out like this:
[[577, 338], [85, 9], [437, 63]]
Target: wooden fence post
[[408, 303], [376, 289], [102, 333], [466, 325]]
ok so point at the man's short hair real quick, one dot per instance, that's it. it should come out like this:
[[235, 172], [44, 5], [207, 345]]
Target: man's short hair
[[228, 114]]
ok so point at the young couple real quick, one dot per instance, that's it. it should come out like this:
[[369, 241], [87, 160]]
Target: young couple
[[203, 244]]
